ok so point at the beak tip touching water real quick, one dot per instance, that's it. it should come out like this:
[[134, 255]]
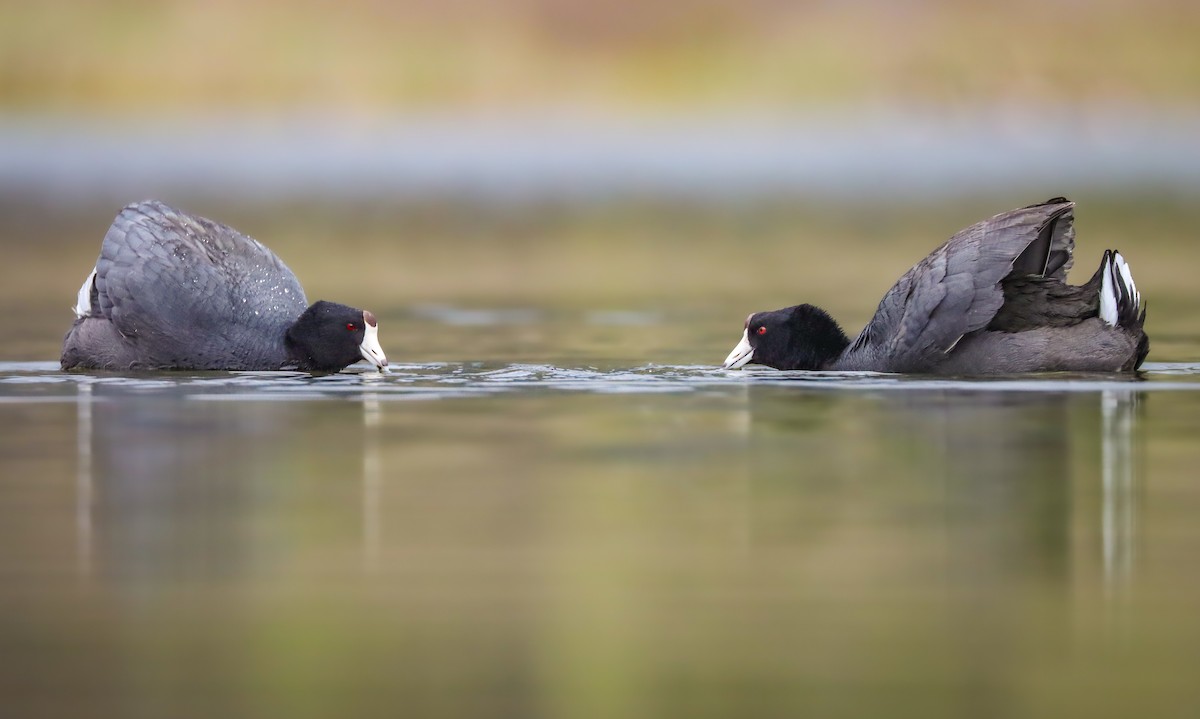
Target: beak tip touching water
[[377, 359], [370, 348], [741, 354]]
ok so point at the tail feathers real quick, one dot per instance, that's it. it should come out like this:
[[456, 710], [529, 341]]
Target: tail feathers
[[1120, 301]]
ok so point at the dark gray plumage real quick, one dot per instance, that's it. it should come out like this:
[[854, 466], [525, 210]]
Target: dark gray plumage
[[991, 300], [175, 291]]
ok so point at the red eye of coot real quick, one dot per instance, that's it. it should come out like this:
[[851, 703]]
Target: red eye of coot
[[760, 331], [351, 327]]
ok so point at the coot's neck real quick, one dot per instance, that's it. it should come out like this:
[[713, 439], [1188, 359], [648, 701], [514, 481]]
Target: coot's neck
[[297, 358], [300, 351], [817, 340]]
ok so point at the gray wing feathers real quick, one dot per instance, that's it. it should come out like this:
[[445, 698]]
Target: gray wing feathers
[[181, 285], [1052, 253], [956, 289]]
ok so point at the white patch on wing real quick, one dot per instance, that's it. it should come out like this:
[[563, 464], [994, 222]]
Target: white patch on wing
[[741, 354], [83, 301]]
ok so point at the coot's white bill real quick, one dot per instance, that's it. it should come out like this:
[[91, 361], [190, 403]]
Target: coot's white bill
[[742, 354], [370, 348]]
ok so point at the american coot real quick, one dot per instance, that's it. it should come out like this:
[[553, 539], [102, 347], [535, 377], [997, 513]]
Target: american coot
[[992, 300], [175, 291]]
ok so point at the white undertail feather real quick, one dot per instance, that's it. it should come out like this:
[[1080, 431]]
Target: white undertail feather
[[1108, 297], [1127, 276], [1117, 281], [83, 302]]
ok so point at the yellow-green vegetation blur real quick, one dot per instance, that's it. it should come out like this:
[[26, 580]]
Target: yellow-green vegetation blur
[[365, 57]]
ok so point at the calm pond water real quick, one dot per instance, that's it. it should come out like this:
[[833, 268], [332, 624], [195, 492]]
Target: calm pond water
[[557, 505], [538, 540]]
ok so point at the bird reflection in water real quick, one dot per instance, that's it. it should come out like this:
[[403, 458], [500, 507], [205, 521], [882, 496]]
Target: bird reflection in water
[[1118, 519], [206, 483], [1009, 472]]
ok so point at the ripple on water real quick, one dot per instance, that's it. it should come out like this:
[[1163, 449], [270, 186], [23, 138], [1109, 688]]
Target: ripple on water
[[43, 381]]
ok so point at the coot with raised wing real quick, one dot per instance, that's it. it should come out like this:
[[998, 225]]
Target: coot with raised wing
[[992, 300]]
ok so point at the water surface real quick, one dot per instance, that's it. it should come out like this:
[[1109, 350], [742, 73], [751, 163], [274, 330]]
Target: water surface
[[463, 538]]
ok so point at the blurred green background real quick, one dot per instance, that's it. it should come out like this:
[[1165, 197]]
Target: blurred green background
[[365, 59], [606, 185]]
